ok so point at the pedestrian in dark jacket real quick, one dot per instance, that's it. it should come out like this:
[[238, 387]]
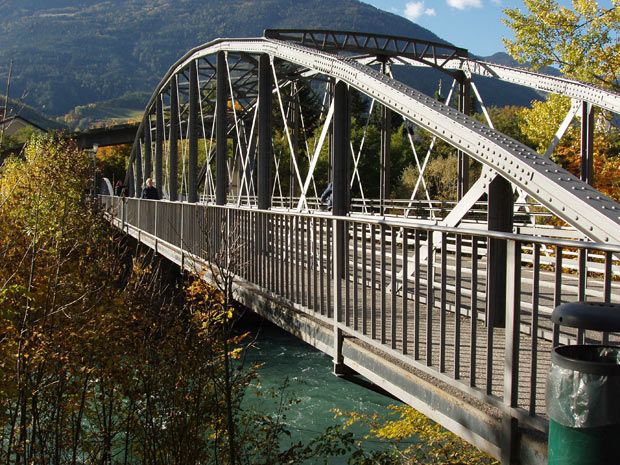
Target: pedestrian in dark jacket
[[150, 192], [118, 188]]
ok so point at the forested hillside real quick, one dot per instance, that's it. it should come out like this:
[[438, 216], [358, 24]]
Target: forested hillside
[[69, 53]]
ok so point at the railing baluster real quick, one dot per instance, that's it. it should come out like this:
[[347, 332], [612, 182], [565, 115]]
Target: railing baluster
[[417, 295], [309, 264], [474, 311], [302, 254], [404, 283], [298, 294], [490, 340], [557, 292], [283, 255], [347, 274], [355, 273], [373, 278], [607, 287], [383, 284], [534, 329], [429, 299], [328, 268], [364, 283], [583, 281], [316, 261], [322, 264], [457, 308], [511, 372], [443, 304], [393, 313]]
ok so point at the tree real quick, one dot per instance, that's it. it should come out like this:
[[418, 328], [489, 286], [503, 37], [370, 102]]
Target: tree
[[540, 123], [583, 42], [109, 356], [413, 439]]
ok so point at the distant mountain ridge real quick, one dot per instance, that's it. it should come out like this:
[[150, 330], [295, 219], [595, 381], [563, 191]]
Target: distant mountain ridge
[[70, 54]]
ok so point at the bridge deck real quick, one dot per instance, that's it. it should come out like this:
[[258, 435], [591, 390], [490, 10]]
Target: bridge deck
[[387, 300]]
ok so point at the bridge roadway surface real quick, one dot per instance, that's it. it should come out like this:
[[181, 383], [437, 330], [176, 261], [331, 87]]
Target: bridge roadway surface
[[436, 358]]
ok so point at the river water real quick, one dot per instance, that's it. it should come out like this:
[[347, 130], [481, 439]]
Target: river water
[[310, 380]]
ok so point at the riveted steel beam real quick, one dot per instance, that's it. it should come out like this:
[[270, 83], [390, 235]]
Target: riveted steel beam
[[601, 98], [430, 53]]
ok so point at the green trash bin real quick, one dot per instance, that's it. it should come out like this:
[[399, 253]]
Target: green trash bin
[[583, 391]]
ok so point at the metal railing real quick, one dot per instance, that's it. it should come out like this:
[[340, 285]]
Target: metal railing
[[416, 293]]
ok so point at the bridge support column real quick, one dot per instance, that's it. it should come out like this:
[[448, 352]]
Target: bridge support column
[[221, 150], [340, 207], [148, 149], [159, 147], [138, 169], [463, 158], [131, 185], [174, 140], [386, 138], [499, 217], [587, 143], [192, 165], [265, 156], [265, 152], [294, 114]]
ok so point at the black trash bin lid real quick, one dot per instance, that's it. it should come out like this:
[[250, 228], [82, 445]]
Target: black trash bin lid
[[588, 315]]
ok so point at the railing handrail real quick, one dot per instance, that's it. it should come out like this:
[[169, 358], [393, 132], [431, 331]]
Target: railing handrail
[[390, 221]]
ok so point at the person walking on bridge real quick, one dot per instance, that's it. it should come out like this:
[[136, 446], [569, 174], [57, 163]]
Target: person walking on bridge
[[150, 191]]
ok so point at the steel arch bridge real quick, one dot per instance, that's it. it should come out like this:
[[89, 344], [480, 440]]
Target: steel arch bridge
[[234, 117]]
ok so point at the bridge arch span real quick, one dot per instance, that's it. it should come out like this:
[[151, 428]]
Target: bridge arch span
[[571, 199]]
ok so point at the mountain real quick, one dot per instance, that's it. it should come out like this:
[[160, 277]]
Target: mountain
[[502, 58], [68, 53], [100, 59]]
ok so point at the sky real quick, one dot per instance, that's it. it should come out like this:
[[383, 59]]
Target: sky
[[472, 24]]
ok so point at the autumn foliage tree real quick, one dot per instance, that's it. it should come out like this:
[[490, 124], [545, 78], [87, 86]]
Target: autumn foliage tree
[[582, 41]]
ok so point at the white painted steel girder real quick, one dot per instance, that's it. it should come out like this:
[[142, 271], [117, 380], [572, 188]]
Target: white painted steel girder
[[574, 201], [601, 98]]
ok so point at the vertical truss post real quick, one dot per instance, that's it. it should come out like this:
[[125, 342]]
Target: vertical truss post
[[499, 217], [294, 124], [138, 170], [340, 207], [341, 148], [463, 159], [265, 155], [386, 137], [159, 146], [587, 143], [265, 148], [148, 149], [221, 170], [132, 181], [194, 114], [173, 156]]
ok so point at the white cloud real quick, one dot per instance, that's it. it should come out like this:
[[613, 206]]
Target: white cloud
[[414, 10], [464, 4]]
